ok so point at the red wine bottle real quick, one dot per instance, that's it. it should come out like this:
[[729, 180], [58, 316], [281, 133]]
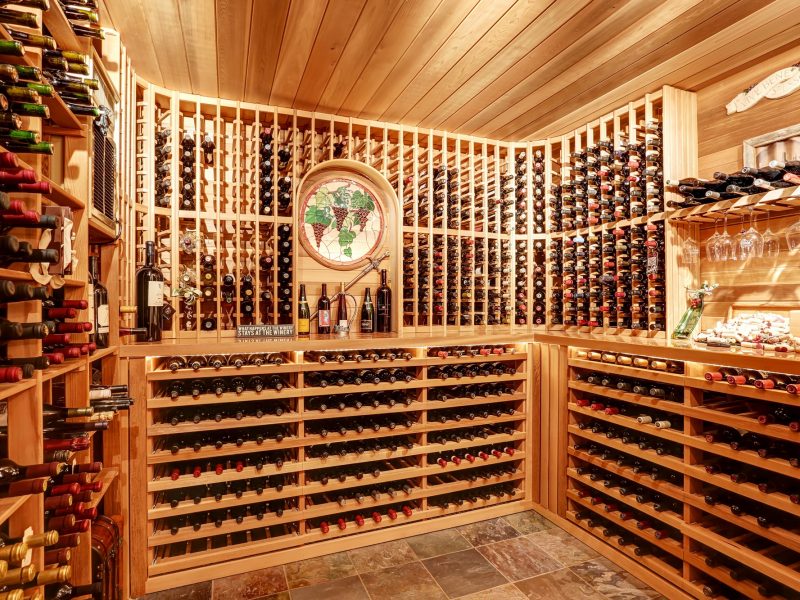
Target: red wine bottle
[[149, 297], [383, 306]]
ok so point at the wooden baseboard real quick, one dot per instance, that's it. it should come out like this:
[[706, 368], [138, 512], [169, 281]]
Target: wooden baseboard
[[260, 561], [654, 581]]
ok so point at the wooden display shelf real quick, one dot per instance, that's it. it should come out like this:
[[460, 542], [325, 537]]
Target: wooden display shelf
[[10, 505], [164, 484], [103, 353], [774, 201], [628, 371], [227, 450], [775, 533], [226, 398], [670, 462], [745, 587], [672, 546], [9, 390], [678, 350], [629, 422], [160, 429], [749, 391], [68, 366], [59, 27], [656, 565], [643, 479], [227, 371], [749, 490], [107, 477], [186, 507], [671, 406], [749, 457], [668, 517], [366, 411], [744, 555], [25, 276], [99, 232]]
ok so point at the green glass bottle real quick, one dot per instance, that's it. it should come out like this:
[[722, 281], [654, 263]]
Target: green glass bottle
[[85, 111], [73, 88], [21, 136], [16, 17], [21, 94], [29, 109], [77, 68], [9, 120], [11, 48], [40, 148], [28, 73], [34, 40], [43, 89]]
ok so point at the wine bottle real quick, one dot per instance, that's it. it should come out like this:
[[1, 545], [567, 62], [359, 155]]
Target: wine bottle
[[303, 313], [341, 314], [367, 313], [383, 306], [98, 303], [149, 297], [324, 311]]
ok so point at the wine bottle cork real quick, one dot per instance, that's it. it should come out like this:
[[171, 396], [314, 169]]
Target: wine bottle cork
[[14, 554]]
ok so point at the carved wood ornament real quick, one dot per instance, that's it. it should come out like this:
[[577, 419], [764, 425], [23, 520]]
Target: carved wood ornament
[[781, 83]]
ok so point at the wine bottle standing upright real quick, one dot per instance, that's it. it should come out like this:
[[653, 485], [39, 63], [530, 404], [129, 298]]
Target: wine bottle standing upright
[[324, 311], [149, 297], [341, 315], [367, 313], [383, 306], [98, 299], [303, 313]]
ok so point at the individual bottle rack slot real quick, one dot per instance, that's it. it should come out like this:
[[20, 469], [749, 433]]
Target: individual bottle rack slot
[[556, 276]]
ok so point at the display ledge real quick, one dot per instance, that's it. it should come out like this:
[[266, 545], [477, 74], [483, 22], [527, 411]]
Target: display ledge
[[106, 477], [722, 574], [10, 505], [681, 350], [354, 341], [59, 27], [650, 455], [16, 275]]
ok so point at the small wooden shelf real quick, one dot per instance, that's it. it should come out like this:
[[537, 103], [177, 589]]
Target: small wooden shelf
[[628, 371], [59, 27], [103, 353], [106, 476], [8, 390], [99, 232], [68, 366], [10, 505]]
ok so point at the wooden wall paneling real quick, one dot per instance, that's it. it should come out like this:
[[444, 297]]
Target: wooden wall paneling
[[199, 20], [440, 25], [265, 37], [233, 19], [765, 24]]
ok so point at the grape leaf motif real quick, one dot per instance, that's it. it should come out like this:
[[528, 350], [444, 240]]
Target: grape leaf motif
[[346, 208]]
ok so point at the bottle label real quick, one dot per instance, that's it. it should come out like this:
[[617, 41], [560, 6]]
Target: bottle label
[[303, 326], [90, 302], [366, 326], [324, 318], [155, 293], [102, 318]]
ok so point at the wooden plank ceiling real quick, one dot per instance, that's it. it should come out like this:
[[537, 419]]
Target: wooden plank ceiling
[[503, 69]]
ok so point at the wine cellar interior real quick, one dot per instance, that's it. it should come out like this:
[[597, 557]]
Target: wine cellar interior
[[382, 299]]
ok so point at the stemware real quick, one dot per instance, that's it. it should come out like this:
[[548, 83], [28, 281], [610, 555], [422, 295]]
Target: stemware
[[690, 251], [793, 236], [772, 243], [736, 250], [751, 244], [725, 248], [712, 252]]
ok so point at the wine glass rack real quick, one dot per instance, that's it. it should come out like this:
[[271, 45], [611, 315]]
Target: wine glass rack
[[228, 476]]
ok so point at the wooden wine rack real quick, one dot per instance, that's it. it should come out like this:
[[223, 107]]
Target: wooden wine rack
[[703, 553], [163, 560]]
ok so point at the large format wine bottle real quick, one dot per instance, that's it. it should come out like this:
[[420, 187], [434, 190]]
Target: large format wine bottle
[[149, 297], [99, 301]]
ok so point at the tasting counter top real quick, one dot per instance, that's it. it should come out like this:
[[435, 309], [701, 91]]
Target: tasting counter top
[[683, 350], [353, 341]]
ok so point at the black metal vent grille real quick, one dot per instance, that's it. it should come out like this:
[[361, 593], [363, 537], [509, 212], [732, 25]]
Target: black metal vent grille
[[105, 161]]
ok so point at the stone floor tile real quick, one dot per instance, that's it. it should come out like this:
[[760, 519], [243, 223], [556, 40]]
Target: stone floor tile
[[487, 532], [529, 521], [562, 546], [382, 556], [519, 558], [279, 596], [250, 585], [349, 588], [403, 582], [558, 585], [197, 591], [612, 581], [318, 570], [435, 543], [462, 573], [504, 592]]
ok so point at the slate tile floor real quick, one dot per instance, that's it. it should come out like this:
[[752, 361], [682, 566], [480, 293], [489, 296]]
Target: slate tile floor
[[510, 558]]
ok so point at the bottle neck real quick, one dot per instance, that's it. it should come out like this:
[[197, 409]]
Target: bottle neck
[[383, 278], [94, 268], [150, 254], [324, 289]]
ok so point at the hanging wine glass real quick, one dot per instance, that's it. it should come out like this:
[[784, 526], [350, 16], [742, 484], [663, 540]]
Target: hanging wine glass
[[736, 251], [793, 236], [690, 251], [712, 252], [772, 243], [725, 249], [751, 244]]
